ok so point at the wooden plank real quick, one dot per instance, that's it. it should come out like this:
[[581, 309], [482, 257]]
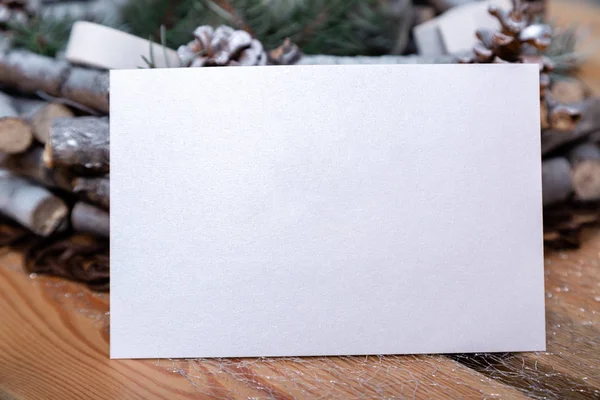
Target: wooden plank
[[571, 366], [54, 338], [54, 344]]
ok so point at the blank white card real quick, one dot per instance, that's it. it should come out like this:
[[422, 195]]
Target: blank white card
[[298, 211]]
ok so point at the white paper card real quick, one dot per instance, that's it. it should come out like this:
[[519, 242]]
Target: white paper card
[[297, 211]]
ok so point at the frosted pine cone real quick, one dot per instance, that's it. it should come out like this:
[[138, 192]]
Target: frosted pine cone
[[222, 46], [17, 11], [519, 41]]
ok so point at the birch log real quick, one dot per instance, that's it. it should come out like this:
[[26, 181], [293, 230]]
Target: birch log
[[32, 73], [556, 180], [585, 161], [15, 134], [94, 190], [29, 72], [86, 218], [80, 143], [88, 87], [31, 165], [40, 114], [588, 124], [32, 206]]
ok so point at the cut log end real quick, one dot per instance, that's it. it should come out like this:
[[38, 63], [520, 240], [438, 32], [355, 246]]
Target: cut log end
[[564, 118], [47, 155], [42, 119], [586, 180], [48, 216], [568, 91], [32, 206], [15, 135]]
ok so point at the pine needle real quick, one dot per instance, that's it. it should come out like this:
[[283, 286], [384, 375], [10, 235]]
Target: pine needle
[[564, 49], [337, 27]]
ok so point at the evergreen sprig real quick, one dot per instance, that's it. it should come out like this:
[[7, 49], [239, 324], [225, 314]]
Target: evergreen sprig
[[339, 27], [48, 34], [45, 36], [564, 50]]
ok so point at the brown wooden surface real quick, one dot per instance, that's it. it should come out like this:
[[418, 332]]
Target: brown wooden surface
[[54, 339]]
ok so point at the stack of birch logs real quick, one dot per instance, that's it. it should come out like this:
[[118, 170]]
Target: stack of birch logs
[[571, 169], [54, 158], [54, 148]]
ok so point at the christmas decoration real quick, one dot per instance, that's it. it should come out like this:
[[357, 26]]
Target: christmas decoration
[[286, 54], [54, 131], [517, 41], [222, 46], [339, 27]]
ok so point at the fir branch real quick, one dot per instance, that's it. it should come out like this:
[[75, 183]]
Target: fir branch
[[151, 62], [340, 27], [143, 18], [45, 36], [565, 50]]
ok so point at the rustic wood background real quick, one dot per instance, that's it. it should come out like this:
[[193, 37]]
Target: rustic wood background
[[54, 338]]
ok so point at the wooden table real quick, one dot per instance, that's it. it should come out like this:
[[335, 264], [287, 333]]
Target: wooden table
[[54, 340]]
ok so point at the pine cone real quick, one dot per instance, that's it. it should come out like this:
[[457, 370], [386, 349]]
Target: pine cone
[[518, 42], [286, 54], [20, 11], [518, 37], [220, 47], [12, 11]]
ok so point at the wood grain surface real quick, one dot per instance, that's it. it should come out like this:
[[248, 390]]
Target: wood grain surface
[[54, 339]]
